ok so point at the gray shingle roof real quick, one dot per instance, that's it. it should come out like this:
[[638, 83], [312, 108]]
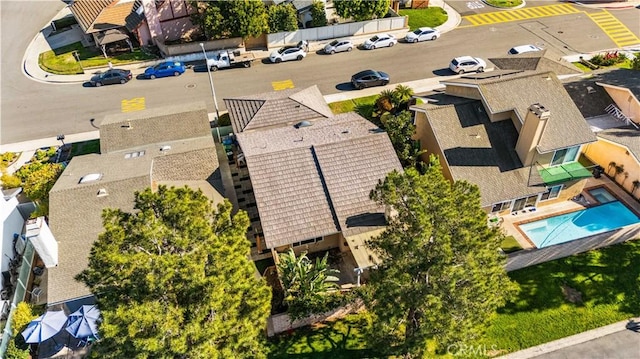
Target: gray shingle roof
[[313, 181], [76, 209], [478, 150], [276, 108], [627, 136], [538, 61], [566, 126], [155, 125]]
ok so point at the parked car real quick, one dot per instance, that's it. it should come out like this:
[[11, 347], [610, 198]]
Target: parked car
[[381, 40], [422, 34], [369, 78], [338, 46], [289, 53], [165, 69], [523, 49], [110, 77], [464, 64]]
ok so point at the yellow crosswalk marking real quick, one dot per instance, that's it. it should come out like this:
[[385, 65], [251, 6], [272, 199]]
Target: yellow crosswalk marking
[[134, 104], [520, 14], [282, 85], [618, 32]]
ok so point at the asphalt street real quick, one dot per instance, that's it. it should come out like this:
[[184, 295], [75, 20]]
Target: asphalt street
[[32, 110]]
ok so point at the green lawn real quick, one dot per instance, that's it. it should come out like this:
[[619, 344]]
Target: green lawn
[[61, 60], [351, 105], [431, 17], [504, 3], [86, 147], [608, 281]]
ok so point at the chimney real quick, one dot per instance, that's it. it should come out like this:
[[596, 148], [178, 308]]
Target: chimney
[[531, 132]]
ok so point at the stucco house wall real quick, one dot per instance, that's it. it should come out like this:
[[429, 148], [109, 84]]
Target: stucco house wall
[[604, 152]]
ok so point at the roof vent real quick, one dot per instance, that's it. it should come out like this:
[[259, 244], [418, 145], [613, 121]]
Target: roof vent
[[127, 125], [102, 192], [303, 124], [91, 177], [346, 131]]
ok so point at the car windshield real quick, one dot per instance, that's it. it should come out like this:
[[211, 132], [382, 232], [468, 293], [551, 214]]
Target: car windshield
[[454, 62], [417, 32], [513, 51], [375, 38], [333, 43], [283, 49]]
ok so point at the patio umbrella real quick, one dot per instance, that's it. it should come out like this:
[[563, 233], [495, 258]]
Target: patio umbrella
[[44, 327], [83, 323]]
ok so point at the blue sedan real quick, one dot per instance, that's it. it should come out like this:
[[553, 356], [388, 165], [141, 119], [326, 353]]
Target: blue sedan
[[164, 69]]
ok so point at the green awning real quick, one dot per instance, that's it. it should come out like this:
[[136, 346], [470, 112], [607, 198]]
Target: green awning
[[566, 172]]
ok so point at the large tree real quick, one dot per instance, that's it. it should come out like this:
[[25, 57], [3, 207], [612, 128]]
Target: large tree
[[238, 18], [401, 129], [361, 10], [441, 275], [173, 280], [283, 17]]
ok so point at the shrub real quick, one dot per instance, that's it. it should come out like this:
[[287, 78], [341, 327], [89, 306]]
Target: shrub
[[7, 158], [10, 181], [635, 64], [608, 59], [318, 15]]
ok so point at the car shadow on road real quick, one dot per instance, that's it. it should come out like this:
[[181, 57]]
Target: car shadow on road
[[199, 68], [141, 77], [443, 72], [87, 84], [345, 86]]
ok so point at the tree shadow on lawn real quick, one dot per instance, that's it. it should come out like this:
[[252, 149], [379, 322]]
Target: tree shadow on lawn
[[336, 340], [607, 276]]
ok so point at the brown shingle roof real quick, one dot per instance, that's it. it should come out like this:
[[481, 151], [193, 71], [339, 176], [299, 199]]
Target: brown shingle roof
[[113, 16], [76, 209], [276, 108], [313, 181], [566, 126], [87, 11]]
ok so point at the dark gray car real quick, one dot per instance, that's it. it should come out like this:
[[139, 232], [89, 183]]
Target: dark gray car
[[110, 77], [369, 78]]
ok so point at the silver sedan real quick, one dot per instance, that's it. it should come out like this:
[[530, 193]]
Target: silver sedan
[[338, 46]]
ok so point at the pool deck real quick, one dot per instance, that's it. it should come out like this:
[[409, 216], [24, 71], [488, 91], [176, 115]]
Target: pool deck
[[531, 255]]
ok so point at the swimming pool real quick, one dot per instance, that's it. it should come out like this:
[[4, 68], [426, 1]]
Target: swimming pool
[[567, 227], [601, 195]]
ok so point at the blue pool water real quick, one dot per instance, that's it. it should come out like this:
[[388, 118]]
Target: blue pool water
[[579, 224]]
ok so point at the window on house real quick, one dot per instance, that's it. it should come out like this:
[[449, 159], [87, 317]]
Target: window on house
[[308, 241], [565, 155], [502, 206], [551, 193]]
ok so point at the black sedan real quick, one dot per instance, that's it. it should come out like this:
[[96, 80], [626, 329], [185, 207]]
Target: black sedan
[[369, 78], [110, 77]]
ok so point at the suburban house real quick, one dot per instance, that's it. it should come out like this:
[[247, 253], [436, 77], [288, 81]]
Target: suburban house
[[312, 172], [169, 146], [113, 22], [515, 134], [610, 102]]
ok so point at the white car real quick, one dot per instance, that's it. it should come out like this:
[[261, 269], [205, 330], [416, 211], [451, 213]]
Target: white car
[[422, 34], [288, 53], [338, 46], [464, 64], [381, 40], [523, 49]]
